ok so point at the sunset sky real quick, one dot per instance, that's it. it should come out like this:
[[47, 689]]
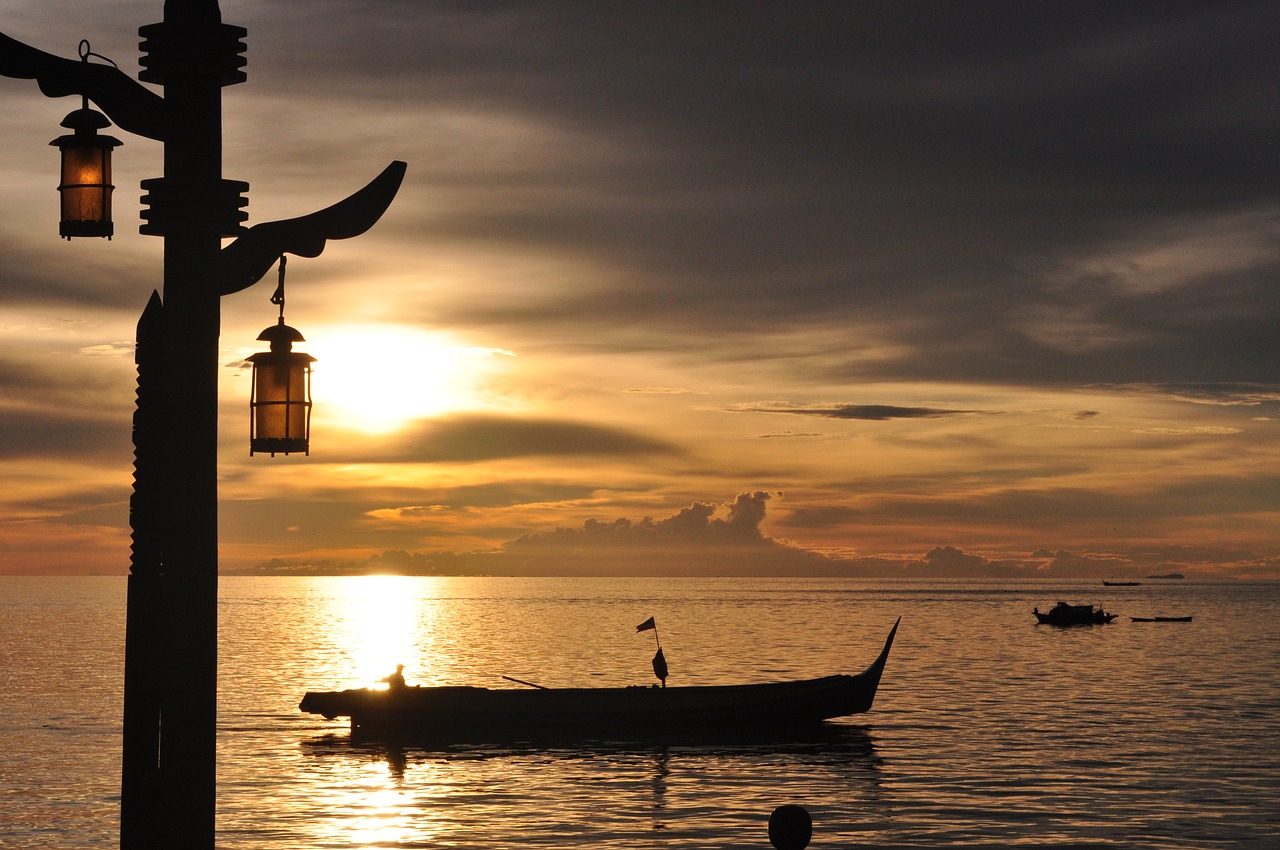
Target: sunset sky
[[866, 288]]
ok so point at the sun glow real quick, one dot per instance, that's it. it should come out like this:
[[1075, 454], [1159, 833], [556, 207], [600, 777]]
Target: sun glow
[[380, 621], [378, 378]]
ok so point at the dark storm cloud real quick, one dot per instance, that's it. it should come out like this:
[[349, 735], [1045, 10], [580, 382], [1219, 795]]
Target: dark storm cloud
[[869, 412], [943, 177], [339, 518], [65, 405], [472, 438], [1217, 497], [72, 283], [104, 507], [35, 435], [945, 173]]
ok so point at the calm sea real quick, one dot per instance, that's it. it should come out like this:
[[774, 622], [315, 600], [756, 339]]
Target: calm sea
[[988, 729]]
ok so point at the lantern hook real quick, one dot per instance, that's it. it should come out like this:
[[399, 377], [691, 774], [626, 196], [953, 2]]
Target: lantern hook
[[86, 50], [277, 297]]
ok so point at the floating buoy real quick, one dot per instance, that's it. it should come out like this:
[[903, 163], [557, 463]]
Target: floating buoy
[[790, 827]]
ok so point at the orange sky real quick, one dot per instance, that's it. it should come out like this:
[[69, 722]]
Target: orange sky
[[877, 290]]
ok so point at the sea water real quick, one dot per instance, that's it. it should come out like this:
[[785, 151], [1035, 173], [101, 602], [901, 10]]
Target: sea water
[[988, 729]]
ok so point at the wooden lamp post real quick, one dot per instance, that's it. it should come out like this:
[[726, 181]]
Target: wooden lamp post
[[170, 707]]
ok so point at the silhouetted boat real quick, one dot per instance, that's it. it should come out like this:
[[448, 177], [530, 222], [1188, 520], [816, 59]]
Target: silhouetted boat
[[484, 714], [1063, 614], [1160, 619], [1122, 583]]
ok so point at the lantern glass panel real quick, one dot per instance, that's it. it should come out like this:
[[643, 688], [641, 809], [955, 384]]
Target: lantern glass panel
[[86, 184], [281, 403], [281, 400]]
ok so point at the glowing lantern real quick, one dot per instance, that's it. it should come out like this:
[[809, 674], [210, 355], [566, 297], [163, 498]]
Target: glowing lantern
[[86, 175], [280, 404]]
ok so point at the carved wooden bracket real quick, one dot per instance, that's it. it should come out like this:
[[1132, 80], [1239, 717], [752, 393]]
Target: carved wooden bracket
[[252, 255]]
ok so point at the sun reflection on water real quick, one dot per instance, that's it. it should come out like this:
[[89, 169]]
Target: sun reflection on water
[[378, 814], [382, 621]]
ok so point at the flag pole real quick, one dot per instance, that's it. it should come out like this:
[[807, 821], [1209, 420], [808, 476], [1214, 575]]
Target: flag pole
[[659, 660]]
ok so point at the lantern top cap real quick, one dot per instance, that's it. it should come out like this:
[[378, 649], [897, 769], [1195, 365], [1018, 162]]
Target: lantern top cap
[[86, 123], [281, 333], [85, 119]]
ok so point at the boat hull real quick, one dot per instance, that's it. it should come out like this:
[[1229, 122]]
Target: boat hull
[[483, 714], [1047, 620], [1063, 614]]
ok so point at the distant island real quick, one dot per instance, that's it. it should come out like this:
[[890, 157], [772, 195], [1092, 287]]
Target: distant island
[[1169, 575]]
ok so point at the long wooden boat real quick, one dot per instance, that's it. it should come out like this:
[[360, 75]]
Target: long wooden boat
[[1160, 619], [487, 714], [1121, 583]]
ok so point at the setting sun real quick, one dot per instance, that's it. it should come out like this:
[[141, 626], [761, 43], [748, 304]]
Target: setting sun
[[378, 378]]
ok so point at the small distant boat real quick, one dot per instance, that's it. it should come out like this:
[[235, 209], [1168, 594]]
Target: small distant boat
[[474, 714], [1122, 583], [1160, 619], [1063, 614]]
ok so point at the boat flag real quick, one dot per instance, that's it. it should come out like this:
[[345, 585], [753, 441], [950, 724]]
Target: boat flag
[[659, 660]]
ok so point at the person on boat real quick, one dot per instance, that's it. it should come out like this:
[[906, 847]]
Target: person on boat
[[660, 666], [396, 680]]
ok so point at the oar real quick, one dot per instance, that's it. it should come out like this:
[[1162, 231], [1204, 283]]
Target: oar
[[523, 682]]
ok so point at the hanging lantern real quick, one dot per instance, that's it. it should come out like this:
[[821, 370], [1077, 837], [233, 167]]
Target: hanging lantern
[[86, 170], [280, 403], [86, 175]]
